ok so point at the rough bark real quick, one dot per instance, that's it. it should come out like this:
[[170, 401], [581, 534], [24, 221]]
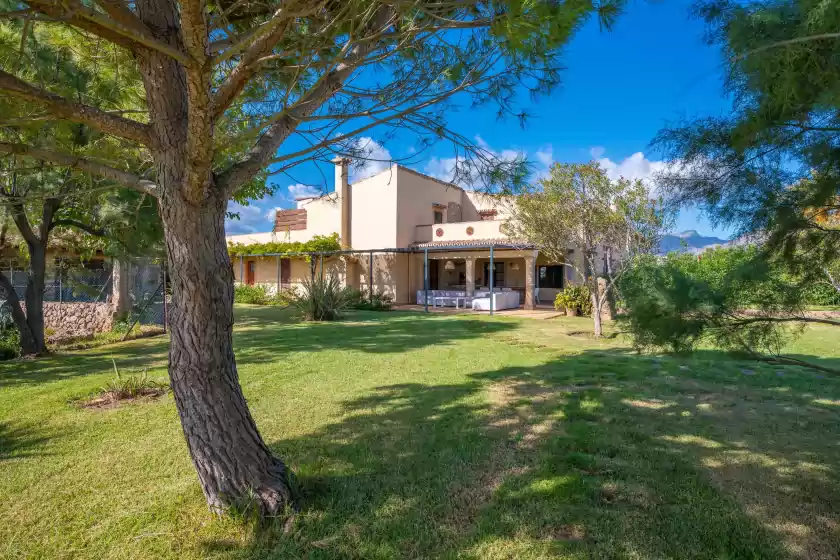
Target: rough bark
[[29, 322], [231, 458], [597, 303]]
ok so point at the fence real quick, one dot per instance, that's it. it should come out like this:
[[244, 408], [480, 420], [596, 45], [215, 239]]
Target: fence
[[70, 281]]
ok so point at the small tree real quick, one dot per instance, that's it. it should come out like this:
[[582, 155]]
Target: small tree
[[578, 207], [733, 299]]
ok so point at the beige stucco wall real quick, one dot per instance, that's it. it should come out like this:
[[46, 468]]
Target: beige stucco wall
[[323, 217], [374, 204], [474, 201], [417, 195], [390, 275], [487, 229], [265, 271]]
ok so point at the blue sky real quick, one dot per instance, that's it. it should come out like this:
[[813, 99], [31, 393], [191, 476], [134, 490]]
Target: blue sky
[[619, 88]]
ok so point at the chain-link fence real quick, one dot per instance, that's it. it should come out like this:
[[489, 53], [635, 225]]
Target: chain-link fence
[[68, 281], [147, 293]]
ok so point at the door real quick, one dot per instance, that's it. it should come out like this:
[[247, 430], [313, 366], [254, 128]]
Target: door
[[250, 272], [285, 272]]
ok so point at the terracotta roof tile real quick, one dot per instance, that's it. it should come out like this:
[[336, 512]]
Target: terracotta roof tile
[[478, 243]]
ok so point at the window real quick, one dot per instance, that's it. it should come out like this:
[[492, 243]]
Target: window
[[438, 216], [550, 276]]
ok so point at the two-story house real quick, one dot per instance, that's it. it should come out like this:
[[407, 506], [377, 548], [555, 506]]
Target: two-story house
[[403, 225]]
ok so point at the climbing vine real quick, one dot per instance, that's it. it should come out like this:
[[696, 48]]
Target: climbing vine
[[318, 243]]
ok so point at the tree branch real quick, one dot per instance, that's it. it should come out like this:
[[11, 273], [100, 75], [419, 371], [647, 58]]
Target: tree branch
[[752, 320], [77, 112], [120, 13], [128, 37], [249, 63], [318, 94], [18, 316], [97, 232], [51, 205], [22, 222], [128, 180], [194, 29]]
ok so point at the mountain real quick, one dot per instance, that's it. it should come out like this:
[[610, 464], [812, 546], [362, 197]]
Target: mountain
[[688, 241]]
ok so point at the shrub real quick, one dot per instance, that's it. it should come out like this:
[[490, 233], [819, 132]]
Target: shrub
[[381, 302], [9, 343], [578, 298], [256, 294], [359, 300], [355, 298], [9, 335], [132, 386], [731, 301], [322, 299]]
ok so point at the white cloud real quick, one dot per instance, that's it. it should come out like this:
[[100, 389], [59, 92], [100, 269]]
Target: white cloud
[[634, 167], [637, 166], [442, 168], [374, 158], [545, 156], [251, 219], [300, 190]]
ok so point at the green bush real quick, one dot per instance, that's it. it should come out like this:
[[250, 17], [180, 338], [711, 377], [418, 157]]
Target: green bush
[[361, 301], [9, 343], [9, 335], [322, 299], [576, 297], [255, 294], [380, 302], [727, 297], [260, 294]]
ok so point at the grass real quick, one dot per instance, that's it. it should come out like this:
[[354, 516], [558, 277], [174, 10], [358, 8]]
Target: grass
[[438, 437]]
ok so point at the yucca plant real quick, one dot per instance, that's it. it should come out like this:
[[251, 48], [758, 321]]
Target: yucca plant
[[322, 299], [132, 386]]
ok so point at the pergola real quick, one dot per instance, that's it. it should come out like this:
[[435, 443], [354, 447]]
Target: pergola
[[492, 247]]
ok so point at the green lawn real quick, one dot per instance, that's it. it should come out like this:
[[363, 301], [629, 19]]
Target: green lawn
[[438, 437]]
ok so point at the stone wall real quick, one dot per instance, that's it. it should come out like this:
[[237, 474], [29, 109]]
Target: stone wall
[[74, 319]]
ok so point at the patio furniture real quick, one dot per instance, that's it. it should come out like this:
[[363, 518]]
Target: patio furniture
[[501, 300], [446, 297]]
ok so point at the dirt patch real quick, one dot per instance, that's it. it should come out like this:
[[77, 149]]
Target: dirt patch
[[113, 400], [567, 533]]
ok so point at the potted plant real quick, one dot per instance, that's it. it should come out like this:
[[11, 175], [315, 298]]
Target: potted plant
[[576, 300]]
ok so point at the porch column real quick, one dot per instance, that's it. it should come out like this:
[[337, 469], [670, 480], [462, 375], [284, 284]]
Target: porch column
[[470, 276], [529, 282]]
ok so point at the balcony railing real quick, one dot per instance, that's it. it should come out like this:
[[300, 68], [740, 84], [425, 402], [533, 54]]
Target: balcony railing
[[459, 231]]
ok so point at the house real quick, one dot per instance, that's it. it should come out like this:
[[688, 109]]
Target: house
[[394, 221]]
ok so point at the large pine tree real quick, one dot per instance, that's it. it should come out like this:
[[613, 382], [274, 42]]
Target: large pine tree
[[233, 88]]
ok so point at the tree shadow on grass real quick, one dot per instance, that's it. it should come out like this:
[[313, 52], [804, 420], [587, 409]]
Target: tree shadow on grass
[[601, 454], [21, 440], [134, 354]]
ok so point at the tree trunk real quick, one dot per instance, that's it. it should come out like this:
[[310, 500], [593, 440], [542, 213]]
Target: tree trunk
[[29, 321], [597, 303], [35, 301], [232, 461]]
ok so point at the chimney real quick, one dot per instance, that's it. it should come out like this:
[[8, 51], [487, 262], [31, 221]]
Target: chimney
[[344, 193]]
